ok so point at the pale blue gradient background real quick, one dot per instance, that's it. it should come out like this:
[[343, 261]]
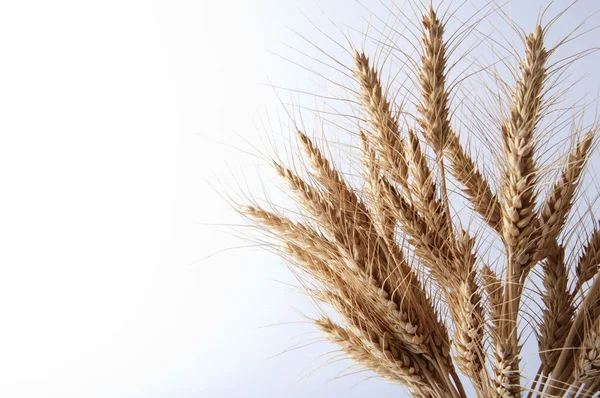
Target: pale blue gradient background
[[117, 119]]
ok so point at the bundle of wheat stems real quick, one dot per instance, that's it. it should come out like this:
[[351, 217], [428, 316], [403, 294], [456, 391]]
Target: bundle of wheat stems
[[417, 301]]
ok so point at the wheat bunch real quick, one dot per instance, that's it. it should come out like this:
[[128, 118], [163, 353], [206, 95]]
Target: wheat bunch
[[417, 296]]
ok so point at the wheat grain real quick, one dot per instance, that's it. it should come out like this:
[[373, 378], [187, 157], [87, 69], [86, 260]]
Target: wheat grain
[[560, 201], [424, 187], [378, 356], [587, 369], [383, 216], [587, 267], [432, 76], [465, 305], [387, 140], [475, 186], [558, 314]]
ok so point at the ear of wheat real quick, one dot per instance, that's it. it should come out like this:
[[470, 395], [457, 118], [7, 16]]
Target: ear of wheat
[[377, 255]]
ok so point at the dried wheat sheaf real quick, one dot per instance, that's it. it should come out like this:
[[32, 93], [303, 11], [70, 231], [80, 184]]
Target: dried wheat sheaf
[[419, 298]]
